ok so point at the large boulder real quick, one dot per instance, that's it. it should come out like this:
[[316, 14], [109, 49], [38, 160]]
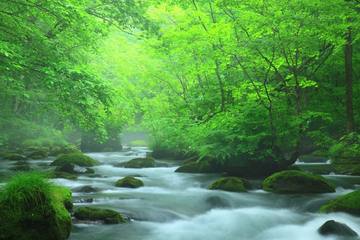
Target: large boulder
[[251, 167], [231, 184], [292, 181], [332, 227], [79, 159], [106, 216], [349, 203], [147, 162], [42, 211], [129, 182]]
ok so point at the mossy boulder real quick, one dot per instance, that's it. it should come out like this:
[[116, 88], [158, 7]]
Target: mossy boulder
[[332, 227], [231, 184], [292, 181], [129, 182], [201, 166], [106, 216], [147, 162], [32, 208], [79, 159], [13, 156], [349, 203]]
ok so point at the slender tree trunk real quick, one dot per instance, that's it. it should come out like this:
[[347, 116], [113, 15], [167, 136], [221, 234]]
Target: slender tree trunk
[[349, 82]]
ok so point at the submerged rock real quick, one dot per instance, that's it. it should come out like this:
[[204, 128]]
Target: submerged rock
[[231, 184], [293, 181], [106, 216], [84, 200], [217, 202], [79, 159], [147, 162], [349, 203], [86, 189], [129, 182], [332, 227]]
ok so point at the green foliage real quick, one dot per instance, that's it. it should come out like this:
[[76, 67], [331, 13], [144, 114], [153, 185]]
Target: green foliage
[[349, 203], [32, 208], [347, 149], [293, 181]]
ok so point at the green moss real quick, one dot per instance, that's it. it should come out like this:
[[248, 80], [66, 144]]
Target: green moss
[[231, 184], [140, 163], [349, 203], [129, 182], [32, 208], [79, 159], [292, 181], [97, 214]]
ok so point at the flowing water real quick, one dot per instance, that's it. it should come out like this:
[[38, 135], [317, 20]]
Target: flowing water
[[177, 206]]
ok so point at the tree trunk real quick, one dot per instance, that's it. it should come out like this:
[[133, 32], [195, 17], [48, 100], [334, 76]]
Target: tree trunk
[[349, 82]]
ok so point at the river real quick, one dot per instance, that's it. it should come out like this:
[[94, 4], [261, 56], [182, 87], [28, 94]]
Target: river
[[178, 206]]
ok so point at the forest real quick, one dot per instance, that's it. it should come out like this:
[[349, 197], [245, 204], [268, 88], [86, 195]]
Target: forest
[[172, 120]]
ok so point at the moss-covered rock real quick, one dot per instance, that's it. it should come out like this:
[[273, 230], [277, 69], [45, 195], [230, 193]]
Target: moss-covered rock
[[129, 182], [349, 203], [231, 184], [202, 166], [79, 159], [106, 216], [32, 208], [292, 181], [147, 162]]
